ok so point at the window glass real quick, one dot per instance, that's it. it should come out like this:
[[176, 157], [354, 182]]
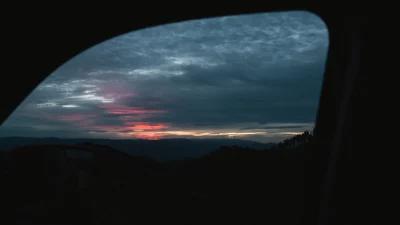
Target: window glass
[[252, 77]]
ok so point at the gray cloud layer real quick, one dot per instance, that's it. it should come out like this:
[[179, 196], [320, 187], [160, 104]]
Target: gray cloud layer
[[230, 73]]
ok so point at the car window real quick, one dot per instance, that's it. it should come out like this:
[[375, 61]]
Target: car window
[[182, 122]]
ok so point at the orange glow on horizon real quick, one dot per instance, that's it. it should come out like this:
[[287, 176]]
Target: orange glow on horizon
[[147, 126], [147, 135]]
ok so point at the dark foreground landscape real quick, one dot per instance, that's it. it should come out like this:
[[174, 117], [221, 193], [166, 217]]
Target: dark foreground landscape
[[86, 183]]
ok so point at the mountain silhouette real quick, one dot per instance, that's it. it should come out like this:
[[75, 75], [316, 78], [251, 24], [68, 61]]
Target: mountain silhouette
[[165, 149], [90, 183]]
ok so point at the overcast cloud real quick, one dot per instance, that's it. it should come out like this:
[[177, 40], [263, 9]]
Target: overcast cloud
[[254, 77]]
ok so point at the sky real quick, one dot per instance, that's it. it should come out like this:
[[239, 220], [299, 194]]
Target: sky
[[255, 77]]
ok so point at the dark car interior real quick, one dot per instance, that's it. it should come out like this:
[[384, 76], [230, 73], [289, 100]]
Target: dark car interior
[[344, 177]]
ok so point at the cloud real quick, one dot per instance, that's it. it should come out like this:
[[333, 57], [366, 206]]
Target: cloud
[[46, 105], [252, 76], [70, 106], [91, 97]]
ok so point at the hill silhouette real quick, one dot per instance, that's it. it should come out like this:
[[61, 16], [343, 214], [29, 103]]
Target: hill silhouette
[[164, 149], [97, 184]]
